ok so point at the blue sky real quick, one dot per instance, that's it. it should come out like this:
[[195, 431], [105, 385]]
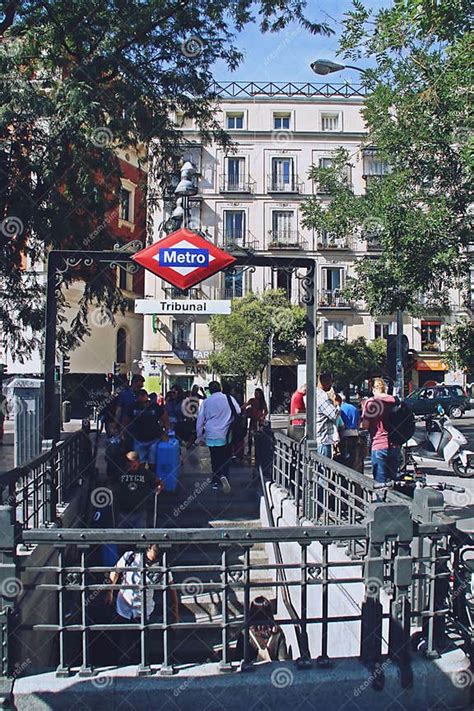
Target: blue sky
[[286, 56]]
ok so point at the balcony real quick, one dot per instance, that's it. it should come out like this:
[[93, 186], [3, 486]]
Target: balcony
[[285, 239], [278, 184], [333, 299], [373, 243], [237, 184], [238, 240], [330, 241], [232, 292], [172, 292]]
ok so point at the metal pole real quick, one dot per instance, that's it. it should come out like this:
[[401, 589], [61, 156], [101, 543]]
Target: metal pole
[[399, 385], [269, 376], [51, 414], [311, 397]]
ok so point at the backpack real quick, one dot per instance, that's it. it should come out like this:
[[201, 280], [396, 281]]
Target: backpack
[[401, 423], [267, 651], [238, 425]]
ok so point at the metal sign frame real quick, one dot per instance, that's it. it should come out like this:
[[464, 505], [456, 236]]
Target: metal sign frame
[[60, 261]]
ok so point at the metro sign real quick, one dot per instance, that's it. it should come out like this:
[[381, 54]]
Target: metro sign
[[183, 258]]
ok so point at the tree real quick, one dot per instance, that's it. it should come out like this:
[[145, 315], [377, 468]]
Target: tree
[[459, 346], [243, 337], [81, 79], [417, 113], [352, 362]]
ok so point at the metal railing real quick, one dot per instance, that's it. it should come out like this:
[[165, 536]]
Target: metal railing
[[236, 184], [330, 241], [278, 184], [172, 292], [235, 89], [285, 239], [35, 490], [333, 298], [238, 240]]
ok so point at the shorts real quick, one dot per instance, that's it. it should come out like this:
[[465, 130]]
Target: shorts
[[146, 450]]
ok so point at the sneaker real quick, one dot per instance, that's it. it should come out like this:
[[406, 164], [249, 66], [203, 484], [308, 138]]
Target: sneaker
[[225, 485]]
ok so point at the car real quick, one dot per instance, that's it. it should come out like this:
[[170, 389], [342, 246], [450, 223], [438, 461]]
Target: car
[[452, 398]]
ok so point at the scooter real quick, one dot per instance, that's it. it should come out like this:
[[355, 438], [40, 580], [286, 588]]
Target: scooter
[[444, 442]]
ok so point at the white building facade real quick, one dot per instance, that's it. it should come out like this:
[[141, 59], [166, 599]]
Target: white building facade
[[251, 197]]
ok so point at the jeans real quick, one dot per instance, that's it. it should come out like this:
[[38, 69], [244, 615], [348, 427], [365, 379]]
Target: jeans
[[385, 464], [220, 461], [146, 450], [325, 450]]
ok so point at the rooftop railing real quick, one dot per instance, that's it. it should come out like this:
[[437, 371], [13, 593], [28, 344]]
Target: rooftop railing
[[243, 89]]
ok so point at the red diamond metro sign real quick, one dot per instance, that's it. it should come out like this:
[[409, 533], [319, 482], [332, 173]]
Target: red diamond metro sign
[[183, 258]]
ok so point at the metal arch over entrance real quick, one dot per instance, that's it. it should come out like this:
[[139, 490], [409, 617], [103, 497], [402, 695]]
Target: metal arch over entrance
[[59, 262]]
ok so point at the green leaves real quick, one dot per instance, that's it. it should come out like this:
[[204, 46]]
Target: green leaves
[[459, 345], [417, 113], [243, 338], [352, 362]]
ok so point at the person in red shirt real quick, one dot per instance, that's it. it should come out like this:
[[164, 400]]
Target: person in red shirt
[[375, 418], [297, 406]]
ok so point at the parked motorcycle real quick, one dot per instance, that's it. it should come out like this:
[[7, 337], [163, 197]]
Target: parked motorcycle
[[444, 442]]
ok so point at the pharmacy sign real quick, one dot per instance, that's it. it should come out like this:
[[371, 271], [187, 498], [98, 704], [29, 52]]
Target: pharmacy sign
[[183, 258]]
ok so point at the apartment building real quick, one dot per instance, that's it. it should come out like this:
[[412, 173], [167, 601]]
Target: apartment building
[[250, 197]]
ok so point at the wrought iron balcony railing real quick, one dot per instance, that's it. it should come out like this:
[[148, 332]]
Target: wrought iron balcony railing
[[172, 292], [333, 298], [285, 239], [237, 184], [238, 240], [278, 184], [330, 241]]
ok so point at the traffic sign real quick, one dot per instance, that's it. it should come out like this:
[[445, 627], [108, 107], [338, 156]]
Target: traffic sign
[[183, 258]]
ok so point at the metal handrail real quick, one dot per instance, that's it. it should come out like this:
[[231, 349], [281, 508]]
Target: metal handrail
[[234, 89]]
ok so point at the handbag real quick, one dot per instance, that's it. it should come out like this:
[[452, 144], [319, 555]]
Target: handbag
[[238, 425]]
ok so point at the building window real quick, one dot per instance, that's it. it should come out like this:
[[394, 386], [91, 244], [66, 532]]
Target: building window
[[236, 174], [283, 281], [334, 330], [121, 346], [373, 165], [281, 121], [282, 174], [126, 205], [283, 226], [234, 226], [332, 278], [384, 330], [431, 336], [182, 334], [235, 121], [330, 121], [233, 283]]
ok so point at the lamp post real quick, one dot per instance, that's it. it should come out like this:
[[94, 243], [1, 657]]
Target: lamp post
[[325, 66], [185, 188]]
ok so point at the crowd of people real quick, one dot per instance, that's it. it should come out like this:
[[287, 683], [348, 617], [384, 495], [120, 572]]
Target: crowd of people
[[345, 432], [137, 421]]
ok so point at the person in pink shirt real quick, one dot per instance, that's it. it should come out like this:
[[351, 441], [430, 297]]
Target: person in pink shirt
[[385, 456]]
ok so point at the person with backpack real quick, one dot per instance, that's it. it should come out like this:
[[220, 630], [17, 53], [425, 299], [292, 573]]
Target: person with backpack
[[385, 453], [266, 639], [217, 415], [128, 599]]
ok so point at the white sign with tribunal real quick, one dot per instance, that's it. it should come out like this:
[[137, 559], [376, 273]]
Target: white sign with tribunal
[[200, 307]]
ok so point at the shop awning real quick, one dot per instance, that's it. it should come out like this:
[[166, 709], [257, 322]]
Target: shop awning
[[428, 364]]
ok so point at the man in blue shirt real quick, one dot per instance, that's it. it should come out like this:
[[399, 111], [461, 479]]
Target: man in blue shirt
[[350, 416]]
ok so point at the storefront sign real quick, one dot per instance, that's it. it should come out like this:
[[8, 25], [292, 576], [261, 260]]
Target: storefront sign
[[183, 258], [182, 306]]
